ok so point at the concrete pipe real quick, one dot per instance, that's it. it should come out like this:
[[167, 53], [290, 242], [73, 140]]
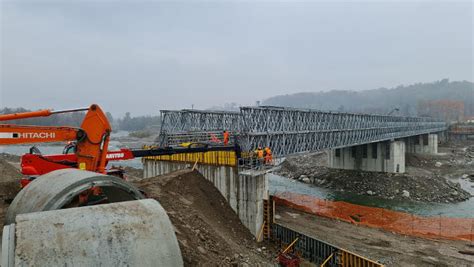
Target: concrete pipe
[[58, 189], [132, 233]]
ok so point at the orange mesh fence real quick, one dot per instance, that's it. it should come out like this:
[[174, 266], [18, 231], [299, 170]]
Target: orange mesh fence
[[394, 221]]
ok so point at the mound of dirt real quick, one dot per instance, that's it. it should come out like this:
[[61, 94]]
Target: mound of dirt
[[133, 174], [9, 187], [10, 157], [208, 230], [9, 180]]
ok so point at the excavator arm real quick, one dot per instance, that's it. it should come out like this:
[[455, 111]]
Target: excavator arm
[[92, 137], [19, 134]]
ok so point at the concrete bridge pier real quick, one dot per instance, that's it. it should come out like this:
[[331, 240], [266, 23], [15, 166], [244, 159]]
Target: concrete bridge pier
[[388, 156], [422, 144]]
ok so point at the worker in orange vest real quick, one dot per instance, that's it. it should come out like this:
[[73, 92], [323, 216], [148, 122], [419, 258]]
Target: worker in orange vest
[[259, 154], [268, 155], [226, 137]]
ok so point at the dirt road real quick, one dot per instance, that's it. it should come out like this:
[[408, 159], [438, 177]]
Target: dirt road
[[385, 247]]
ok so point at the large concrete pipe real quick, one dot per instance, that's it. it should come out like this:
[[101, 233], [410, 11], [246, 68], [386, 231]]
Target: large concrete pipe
[[132, 233], [57, 189]]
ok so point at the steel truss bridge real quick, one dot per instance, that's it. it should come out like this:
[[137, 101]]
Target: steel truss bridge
[[288, 130]]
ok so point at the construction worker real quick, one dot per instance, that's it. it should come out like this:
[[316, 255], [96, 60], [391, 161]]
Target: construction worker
[[226, 137], [268, 155], [259, 153]]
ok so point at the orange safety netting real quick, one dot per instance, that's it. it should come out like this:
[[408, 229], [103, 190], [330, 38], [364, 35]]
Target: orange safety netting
[[395, 221]]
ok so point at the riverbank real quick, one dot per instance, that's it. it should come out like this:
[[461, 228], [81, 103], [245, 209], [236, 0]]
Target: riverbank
[[429, 178]]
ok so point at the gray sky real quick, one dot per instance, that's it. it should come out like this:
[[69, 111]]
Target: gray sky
[[145, 56]]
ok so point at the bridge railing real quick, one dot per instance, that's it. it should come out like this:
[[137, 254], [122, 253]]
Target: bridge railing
[[173, 139], [173, 121]]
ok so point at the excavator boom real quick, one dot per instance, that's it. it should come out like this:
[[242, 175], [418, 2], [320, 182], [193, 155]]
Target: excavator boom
[[92, 137], [19, 134]]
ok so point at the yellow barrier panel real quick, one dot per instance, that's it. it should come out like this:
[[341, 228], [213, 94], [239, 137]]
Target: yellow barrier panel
[[220, 158], [349, 259]]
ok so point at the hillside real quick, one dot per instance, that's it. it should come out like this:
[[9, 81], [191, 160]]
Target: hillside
[[381, 101]]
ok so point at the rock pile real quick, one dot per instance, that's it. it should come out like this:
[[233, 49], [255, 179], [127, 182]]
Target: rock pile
[[428, 188]]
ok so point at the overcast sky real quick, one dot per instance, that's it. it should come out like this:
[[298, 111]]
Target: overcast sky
[[145, 56]]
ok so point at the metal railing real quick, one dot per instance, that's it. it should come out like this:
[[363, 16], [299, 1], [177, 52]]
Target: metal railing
[[177, 138]]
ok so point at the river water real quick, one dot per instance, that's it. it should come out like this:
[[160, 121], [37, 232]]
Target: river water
[[463, 209], [281, 184]]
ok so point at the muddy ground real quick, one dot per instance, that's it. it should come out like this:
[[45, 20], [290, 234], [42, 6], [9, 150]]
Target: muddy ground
[[208, 230], [382, 246], [428, 178]]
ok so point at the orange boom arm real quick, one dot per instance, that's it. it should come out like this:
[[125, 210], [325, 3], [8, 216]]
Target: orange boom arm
[[17, 134], [92, 137]]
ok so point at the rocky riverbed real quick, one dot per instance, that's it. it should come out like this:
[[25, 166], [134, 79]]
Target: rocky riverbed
[[427, 180]]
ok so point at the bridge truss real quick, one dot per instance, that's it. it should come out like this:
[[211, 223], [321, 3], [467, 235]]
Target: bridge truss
[[288, 131]]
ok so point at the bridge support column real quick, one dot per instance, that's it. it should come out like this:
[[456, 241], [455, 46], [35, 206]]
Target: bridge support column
[[423, 144], [376, 157], [244, 191]]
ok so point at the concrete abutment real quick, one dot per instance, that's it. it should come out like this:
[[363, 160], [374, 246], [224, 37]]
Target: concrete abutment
[[244, 191]]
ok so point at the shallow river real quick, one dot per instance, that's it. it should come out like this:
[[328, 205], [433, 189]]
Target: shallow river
[[463, 209]]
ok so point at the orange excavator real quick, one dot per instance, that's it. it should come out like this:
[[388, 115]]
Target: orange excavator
[[92, 140], [79, 177], [87, 147]]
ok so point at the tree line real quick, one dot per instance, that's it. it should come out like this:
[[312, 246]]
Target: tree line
[[127, 123], [405, 100]]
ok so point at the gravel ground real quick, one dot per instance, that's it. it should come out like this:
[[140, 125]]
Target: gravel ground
[[428, 178]]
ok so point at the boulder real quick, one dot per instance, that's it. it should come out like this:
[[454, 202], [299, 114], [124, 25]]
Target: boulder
[[405, 193]]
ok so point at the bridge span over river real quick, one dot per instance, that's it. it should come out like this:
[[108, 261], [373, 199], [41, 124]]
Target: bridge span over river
[[288, 131]]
